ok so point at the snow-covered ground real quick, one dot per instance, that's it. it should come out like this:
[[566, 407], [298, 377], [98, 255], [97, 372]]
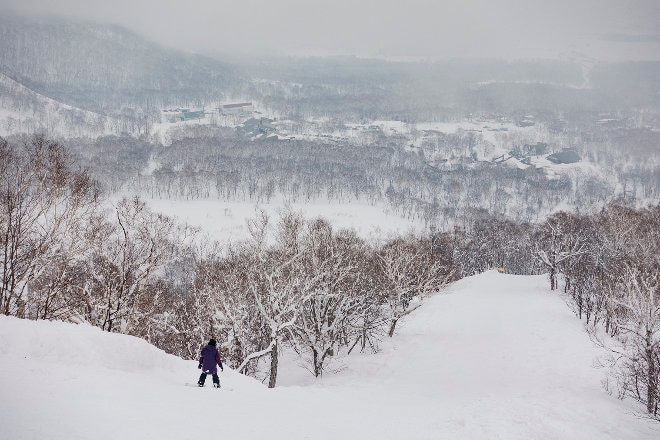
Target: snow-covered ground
[[495, 357], [227, 221]]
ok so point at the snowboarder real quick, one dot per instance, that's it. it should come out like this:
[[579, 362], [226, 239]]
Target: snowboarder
[[208, 359]]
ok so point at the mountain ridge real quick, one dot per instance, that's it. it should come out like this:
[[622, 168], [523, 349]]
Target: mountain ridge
[[101, 67]]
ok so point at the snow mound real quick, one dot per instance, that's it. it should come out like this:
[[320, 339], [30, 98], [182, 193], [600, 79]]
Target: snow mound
[[495, 357], [73, 345]]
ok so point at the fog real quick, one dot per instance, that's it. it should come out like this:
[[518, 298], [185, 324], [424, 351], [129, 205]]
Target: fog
[[427, 29]]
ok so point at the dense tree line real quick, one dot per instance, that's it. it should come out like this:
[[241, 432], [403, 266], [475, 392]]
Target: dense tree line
[[220, 164], [299, 283], [609, 266]]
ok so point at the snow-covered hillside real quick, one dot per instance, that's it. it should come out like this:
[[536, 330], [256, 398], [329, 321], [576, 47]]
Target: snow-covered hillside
[[496, 356], [23, 110]]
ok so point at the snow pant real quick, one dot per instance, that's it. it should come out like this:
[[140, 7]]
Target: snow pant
[[202, 379]]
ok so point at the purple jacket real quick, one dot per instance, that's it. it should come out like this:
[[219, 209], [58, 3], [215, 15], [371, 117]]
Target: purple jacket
[[209, 358]]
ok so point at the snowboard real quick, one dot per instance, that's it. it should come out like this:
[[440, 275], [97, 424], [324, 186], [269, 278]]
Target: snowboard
[[194, 385]]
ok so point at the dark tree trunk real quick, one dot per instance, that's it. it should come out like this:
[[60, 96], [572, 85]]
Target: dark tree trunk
[[273, 366], [652, 382], [390, 333], [317, 366], [553, 278]]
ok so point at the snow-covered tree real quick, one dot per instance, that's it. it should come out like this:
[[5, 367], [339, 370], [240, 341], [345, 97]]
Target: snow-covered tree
[[229, 312], [43, 203], [333, 264], [635, 302], [410, 271], [560, 242], [276, 283], [130, 252], [638, 321]]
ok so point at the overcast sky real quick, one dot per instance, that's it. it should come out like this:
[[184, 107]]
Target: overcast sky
[[599, 29]]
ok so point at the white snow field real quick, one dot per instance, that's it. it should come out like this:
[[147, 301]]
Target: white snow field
[[227, 221], [494, 357]]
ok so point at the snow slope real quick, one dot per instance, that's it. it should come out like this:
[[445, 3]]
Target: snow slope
[[496, 357], [22, 110]]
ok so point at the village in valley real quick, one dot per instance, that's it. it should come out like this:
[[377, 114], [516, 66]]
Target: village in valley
[[520, 142]]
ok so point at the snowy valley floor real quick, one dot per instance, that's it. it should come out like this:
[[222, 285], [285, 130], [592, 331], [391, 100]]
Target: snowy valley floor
[[495, 357]]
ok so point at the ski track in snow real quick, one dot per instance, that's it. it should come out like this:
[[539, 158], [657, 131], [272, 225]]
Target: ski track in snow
[[494, 357]]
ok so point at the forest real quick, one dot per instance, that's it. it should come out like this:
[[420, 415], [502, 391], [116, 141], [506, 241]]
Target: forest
[[298, 282], [225, 164]]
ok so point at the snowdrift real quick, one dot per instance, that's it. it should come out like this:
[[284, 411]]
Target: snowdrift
[[496, 356], [70, 345]]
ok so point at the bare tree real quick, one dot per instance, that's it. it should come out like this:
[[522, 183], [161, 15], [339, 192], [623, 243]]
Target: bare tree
[[221, 289], [276, 283], [410, 272], [42, 204], [638, 365], [130, 252], [337, 299], [560, 242]]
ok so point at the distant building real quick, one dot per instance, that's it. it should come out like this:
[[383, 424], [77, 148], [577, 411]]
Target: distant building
[[187, 115], [236, 109], [261, 126], [182, 114], [567, 155]]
